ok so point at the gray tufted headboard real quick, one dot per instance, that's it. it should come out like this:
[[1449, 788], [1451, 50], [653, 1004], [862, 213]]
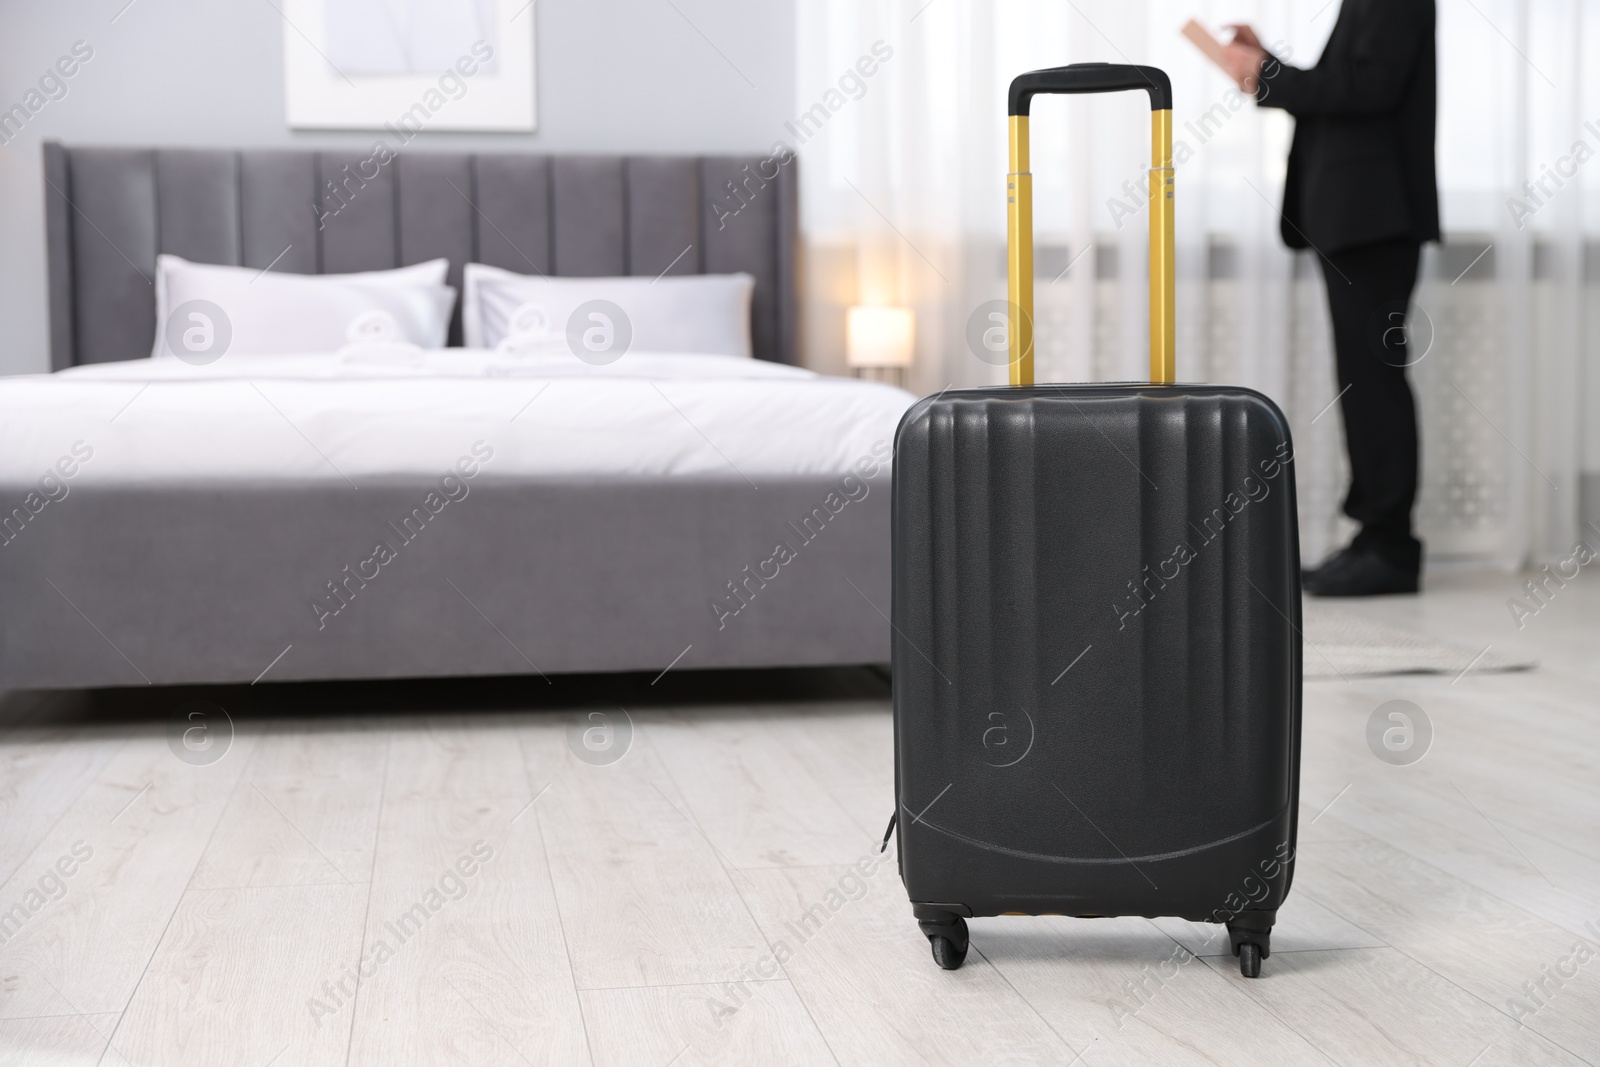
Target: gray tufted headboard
[[109, 211]]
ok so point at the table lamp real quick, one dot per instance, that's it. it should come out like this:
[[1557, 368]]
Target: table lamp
[[880, 342]]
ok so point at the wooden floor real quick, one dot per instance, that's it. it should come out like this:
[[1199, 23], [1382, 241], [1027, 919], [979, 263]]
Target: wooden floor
[[426, 874]]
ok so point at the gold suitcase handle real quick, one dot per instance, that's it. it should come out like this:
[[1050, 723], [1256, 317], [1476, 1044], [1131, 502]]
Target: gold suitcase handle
[[1091, 78]]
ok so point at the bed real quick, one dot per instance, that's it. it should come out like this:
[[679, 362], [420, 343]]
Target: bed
[[280, 518]]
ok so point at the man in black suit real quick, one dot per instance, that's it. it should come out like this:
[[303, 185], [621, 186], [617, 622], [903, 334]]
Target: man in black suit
[[1361, 192]]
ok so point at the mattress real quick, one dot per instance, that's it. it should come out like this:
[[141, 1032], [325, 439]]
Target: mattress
[[439, 513], [382, 414]]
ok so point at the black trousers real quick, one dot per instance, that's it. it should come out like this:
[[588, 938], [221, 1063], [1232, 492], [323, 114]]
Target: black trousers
[[1369, 291]]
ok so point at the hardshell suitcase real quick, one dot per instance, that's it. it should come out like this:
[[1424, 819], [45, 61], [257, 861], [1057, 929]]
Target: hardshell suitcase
[[1096, 664]]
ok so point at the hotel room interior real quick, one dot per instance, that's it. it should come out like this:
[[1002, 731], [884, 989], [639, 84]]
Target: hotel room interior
[[446, 609]]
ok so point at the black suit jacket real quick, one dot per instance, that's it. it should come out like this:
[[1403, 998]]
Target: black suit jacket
[[1361, 167]]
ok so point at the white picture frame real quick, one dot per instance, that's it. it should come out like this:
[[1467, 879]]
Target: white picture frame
[[409, 65]]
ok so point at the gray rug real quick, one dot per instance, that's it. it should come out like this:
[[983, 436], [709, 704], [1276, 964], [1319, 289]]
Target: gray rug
[[1342, 643]]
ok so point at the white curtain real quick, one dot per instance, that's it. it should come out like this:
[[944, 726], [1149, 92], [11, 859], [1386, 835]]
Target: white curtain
[[902, 170]]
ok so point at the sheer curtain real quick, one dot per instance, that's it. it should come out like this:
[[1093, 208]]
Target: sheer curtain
[[903, 161]]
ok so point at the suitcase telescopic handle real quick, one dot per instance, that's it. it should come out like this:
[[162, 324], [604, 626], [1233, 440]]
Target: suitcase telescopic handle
[[1091, 78]]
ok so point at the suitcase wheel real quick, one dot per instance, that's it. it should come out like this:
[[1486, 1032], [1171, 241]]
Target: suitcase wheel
[[1250, 934], [949, 941], [946, 954]]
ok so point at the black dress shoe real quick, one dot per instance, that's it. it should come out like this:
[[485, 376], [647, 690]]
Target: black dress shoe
[[1330, 565], [1361, 572]]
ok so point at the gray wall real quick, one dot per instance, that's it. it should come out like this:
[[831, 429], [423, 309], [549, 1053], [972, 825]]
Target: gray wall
[[613, 76]]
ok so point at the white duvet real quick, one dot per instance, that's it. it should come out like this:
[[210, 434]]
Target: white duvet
[[386, 413]]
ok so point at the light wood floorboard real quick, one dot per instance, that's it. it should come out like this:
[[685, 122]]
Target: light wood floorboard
[[701, 1025], [644, 896], [862, 968], [750, 792], [54, 1039], [41, 773], [234, 980], [306, 814], [463, 937], [139, 830], [1130, 994], [1366, 1006]]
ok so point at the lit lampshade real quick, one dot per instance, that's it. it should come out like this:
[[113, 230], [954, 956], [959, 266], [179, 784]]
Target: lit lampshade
[[880, 337]]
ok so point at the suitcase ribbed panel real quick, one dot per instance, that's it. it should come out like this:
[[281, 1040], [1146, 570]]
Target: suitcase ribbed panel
[[1135, 535]]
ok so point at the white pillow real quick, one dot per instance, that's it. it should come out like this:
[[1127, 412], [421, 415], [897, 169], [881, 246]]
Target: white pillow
[[251, 312], [707, 314]]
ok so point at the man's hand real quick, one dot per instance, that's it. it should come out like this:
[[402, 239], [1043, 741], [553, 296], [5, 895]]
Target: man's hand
[[1242, 57], [1244, 34], [1243, 63]]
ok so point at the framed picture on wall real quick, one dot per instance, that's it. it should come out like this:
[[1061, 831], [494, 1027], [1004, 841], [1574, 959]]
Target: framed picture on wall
[[408, 64]]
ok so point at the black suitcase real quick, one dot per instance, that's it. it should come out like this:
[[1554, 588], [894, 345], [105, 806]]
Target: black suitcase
[[1096, 658]]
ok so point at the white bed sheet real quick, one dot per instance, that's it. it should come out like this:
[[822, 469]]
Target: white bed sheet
[[349, 417]]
